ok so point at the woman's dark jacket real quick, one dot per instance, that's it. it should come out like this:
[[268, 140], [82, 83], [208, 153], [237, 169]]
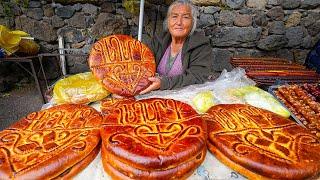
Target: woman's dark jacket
[[197, 60]]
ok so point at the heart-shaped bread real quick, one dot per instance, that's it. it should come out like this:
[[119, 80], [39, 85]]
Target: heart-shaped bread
[[122, 64], [151, 138], [54, 143], [260, 144]]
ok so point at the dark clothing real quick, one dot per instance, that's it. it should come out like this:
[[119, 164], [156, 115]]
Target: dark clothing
[[197, 60]]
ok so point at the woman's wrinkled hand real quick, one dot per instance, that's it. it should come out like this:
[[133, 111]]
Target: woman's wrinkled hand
[[156, 82]]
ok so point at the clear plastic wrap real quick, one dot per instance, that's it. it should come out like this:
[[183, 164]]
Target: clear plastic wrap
[[259, 98], [229, 88]]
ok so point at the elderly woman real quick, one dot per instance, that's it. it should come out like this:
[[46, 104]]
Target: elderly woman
[[183, 57]]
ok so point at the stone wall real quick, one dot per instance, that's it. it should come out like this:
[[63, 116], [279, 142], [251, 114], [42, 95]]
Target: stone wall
[[278, 28]]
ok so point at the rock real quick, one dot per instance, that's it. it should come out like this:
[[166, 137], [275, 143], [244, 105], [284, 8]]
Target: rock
[[205, 20], [70, 61], [300, 55], [290, 4], [309, 4], [307, 42], [245, 10], [57, 22], [2, 13], [277, 27], [210, 9], [34, 4], [46, 20], [242, 52], [274, 2], [80, 1], [235, 4], [205, 2], [294, 19], [281, 53], [7, 21], [65, 11], [272, 42], [158, 27], [308, 20], [90, 9], [86, 48], [78, 68], [260, 18], [48, 10], [46, 47], [225, 18], [78, 45], [276, 13], [107, 24], [314, 29], [39, 30], [89, 21], [78, 20], [295, 36], [314, 40], [258, 4], [127, 14], [235, 36], [221, 59], [35, 13], [107, 7], [77, 7], [15, 9], [71, 35], [285, 54], [243, 20]]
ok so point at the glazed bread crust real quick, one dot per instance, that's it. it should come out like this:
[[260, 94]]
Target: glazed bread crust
[[122, 170], [260, 144], [153, 138], [47, 144], [122, 64]]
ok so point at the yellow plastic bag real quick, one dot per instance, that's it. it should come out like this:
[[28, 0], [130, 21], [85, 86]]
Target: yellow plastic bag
[[28, 46], [13, 41], [80, 89]]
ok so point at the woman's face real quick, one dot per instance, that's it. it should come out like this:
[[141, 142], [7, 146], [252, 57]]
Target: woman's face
[[180, 21]]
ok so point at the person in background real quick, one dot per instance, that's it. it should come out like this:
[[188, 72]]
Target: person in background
[[183, 57]]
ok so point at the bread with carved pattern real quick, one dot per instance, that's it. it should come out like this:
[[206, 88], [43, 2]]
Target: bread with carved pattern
[[152, 139], [54, 143], [260, 144], [122, 64]]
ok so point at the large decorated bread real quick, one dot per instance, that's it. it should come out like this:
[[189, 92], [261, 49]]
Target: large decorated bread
[[123, 64], [151, 139], [260, 144], [54, 143]]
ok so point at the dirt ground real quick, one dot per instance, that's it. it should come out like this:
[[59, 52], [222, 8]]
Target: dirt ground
[[18, 103]]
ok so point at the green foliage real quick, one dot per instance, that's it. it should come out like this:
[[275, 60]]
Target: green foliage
[[132, 6], [224, 6], [22, 3]]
